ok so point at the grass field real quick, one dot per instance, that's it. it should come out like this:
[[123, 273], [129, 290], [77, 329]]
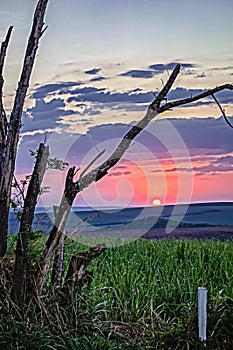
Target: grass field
[[143, 296]]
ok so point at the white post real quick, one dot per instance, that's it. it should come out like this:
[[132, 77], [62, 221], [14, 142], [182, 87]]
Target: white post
[[202, 312]]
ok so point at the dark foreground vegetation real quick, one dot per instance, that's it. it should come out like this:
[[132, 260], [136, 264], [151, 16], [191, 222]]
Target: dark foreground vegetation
[[140, 295]]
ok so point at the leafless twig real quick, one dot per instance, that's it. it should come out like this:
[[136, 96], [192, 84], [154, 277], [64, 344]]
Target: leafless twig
[[222, 111]]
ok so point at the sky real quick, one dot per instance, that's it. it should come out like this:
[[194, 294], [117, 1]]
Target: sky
[[98, 65]]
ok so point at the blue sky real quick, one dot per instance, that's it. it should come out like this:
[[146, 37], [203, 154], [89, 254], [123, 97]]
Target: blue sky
[[99, 63]]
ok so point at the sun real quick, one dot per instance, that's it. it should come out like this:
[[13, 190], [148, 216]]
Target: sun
[[156, 202]]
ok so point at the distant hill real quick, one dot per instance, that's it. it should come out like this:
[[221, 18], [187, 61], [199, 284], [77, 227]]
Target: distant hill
[[196, 215]]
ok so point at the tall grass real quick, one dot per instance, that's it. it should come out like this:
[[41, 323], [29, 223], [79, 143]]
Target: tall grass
[[144, 296], [153, 285]]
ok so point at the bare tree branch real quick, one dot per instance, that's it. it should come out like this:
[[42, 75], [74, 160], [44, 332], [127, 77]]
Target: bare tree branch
[[21, 192], [222, 111], [3, 120], [163, 93], [184, 101]]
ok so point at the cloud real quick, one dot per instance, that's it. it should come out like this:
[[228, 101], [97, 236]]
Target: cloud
[[98, 79], [93, 71], [211, 168], [102, 96], [45, 115], [137, 73], [84, 91], [226, 68], [48, 89], [201, 75], [157, 68], [117, 167], [91, 100], [224, 160], [206, 139], [205, 136], [160, 68], [120, 173], [96, 95], [201, 170]]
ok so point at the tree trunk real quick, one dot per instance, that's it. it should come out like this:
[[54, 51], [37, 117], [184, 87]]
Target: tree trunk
[[77, 270], [57, 231], [57, 273], [4, 193], [20, 273], [10, 142]]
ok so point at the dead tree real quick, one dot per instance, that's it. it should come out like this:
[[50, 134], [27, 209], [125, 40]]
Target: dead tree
[[72, 187], [24, 235], [9, 132]]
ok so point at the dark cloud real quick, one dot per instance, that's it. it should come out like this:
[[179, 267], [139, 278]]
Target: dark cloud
[[43, 106], [96, 95], [130, 107], [120, 173], [117, 167], [189, 72], [211, 168], [171, 170], [93, 71], [98, 79], [159, 68], [183, 65], [206, 136], [226, 68], [206, 139], [180, 93], [137, 73], [201, 75], [49, 89], [136, 97], [224, 160], [225, 96], [85, 90], [81, 105], [44, 115], [132, 100], [201, 170]]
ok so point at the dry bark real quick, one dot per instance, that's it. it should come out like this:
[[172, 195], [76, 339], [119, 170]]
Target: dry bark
[[77, 270], [3, 143], [11, 134], [57, 273], [3, 119], [24, 235]]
